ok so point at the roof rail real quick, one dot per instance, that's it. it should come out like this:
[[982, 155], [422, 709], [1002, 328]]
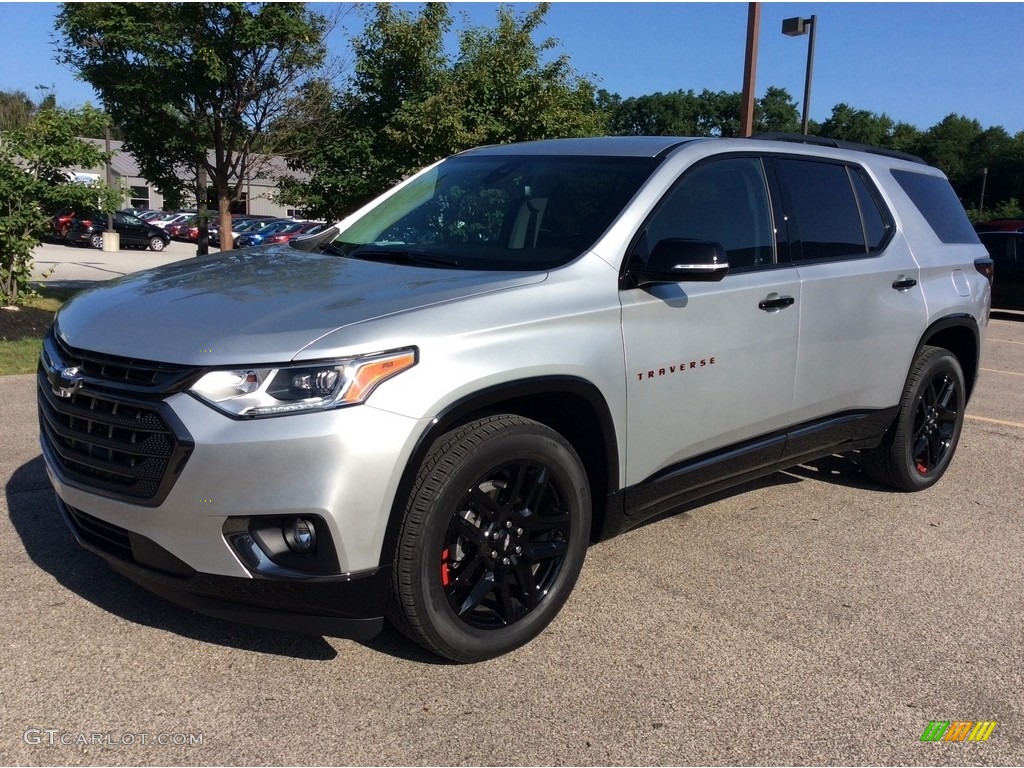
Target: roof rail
[[825, 141]]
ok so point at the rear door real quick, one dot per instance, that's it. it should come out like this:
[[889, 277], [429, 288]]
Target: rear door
[[863, 307]]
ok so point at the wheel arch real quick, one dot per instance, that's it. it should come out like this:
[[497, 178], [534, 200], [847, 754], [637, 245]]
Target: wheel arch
[[961, 336], [573, 407]]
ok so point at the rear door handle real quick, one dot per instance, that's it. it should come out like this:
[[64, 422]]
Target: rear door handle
[[773, 302], [904, 283]]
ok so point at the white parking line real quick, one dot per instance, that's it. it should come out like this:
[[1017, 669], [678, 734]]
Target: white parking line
[[996, 370], [1005, 341], [1000, 422]]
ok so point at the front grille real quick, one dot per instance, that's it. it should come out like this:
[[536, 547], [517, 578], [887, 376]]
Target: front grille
[[129, 448], [115, 372]]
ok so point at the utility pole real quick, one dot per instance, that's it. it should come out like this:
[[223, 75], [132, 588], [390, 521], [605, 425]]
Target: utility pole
[[984, 178], [110, 172], [203, 243], [750, 69]]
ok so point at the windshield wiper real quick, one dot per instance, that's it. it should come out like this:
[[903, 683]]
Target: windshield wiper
[[404, 256]]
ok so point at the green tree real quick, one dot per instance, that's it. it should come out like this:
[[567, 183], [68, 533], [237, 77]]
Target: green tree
[[194, 85], [719, 113], [858, 125], [409, 103], [947, 145], [500, 89], [657, 114], [16, 110], [776, 111], [34, 183], [906, 138], [710, 113]]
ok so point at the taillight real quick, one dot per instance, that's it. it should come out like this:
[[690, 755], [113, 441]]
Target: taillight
[[986, 267]]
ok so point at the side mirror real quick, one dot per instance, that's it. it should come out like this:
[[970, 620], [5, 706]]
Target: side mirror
[[675, 260]]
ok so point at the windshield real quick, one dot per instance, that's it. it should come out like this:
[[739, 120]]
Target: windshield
[[497, 212]]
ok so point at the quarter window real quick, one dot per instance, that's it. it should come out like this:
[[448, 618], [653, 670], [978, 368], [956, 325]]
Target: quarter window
[[938, 203]]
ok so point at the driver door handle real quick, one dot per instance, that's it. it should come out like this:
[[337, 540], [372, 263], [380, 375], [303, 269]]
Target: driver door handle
[[773, 302]]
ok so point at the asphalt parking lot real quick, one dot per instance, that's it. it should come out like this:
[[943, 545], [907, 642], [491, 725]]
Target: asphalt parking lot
[[809, 618], [65, 264]]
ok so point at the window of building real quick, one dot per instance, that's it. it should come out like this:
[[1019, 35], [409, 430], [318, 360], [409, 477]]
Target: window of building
[[139, 197]]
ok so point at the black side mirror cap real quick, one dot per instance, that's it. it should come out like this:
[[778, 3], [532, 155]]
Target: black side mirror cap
[[675, 260]]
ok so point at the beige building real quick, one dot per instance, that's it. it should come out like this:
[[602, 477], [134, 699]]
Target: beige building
[[259, 188]]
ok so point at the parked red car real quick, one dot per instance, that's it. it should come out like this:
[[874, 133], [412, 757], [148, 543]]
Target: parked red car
[[293, 230], [61, 222], [180, 229], [1000, 225]]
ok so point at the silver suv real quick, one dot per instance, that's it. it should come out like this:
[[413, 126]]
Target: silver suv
[[430, 410]]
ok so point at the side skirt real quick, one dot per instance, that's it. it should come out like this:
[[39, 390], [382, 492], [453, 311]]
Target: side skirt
[[716, 471]]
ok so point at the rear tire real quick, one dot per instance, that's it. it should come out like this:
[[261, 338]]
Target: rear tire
[[495, 533], [920, 444], [96, 241]]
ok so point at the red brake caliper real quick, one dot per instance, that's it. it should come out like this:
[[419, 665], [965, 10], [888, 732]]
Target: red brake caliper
[[445, 579]]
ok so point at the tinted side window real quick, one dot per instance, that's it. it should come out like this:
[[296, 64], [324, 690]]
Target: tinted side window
[[824, 205], [724, 201], [938, 204], [876, 226]]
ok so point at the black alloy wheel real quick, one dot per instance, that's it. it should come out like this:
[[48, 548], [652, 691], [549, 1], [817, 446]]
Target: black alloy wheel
[[918, 448], [495, 534]]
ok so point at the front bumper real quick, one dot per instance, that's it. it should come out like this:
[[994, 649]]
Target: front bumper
[[345, 605], [339, 468]]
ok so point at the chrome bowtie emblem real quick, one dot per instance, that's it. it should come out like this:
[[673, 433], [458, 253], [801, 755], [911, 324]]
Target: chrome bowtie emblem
[[66, 382]]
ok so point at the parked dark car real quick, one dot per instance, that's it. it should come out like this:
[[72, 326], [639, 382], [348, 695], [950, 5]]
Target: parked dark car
[[239, 225], [257, 235], [1007, 251], [142, 213], [134, 232], [292, 231]]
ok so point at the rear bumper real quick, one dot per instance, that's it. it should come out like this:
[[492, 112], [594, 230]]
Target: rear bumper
[[346, 605]]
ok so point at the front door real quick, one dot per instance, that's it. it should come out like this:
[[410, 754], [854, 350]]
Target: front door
[[710, 365]]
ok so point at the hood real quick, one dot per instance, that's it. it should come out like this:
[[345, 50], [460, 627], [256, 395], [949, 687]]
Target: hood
[[256, 306]]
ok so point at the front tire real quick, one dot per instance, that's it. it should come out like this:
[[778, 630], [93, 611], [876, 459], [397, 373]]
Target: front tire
[[495, 533], [156, 244], [918, 448]]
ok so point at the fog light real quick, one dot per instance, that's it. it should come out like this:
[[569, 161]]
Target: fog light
[[300, 535]]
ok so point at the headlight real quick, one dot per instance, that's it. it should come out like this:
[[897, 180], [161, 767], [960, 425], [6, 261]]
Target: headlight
[[255, 392]]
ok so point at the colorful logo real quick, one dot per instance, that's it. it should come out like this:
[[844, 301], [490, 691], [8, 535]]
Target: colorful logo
[[958, 730]]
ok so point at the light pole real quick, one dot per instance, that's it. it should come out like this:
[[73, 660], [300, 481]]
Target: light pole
[[794, 28]]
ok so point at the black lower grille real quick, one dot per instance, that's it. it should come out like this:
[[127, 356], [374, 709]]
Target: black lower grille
[[115, 543], [102, 535], [110, 441]]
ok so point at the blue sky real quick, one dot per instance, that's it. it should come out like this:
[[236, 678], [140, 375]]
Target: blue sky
[[916, 62]]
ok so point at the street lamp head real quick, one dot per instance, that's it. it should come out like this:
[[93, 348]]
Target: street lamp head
[[796, 27]]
